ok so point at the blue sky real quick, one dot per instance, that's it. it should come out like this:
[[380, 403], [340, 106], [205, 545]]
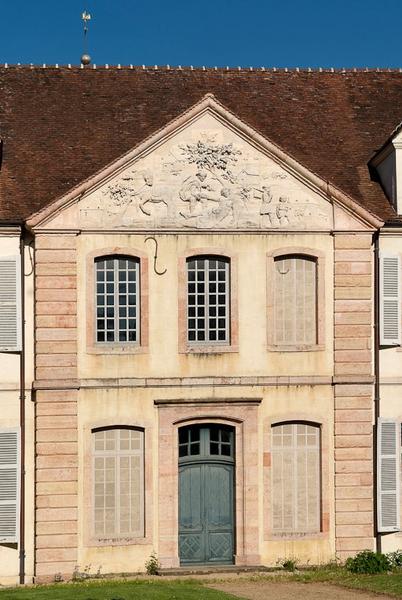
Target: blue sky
[[280, 33]]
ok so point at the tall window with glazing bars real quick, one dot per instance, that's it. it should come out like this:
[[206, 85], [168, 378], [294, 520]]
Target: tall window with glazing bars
[[117, 299], [208, 300]]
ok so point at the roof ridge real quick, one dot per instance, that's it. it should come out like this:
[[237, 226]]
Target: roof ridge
[[258, 69]]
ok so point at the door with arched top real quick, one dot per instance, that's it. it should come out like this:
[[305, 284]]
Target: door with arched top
[[206, 494]]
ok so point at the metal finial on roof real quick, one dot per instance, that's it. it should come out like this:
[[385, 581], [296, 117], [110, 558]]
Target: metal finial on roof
[[85, 58]]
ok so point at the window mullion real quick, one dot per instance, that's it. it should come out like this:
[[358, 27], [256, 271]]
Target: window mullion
[[227, 303], [116, 299], [206, 292], [117, 482]]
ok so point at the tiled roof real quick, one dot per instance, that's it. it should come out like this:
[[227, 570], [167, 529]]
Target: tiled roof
[[61, 125]]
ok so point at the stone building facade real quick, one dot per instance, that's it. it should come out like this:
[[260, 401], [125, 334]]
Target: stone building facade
[[201, 318]]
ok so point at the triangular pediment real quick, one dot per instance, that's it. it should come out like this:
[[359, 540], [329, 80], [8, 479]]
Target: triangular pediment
[[206, 170]]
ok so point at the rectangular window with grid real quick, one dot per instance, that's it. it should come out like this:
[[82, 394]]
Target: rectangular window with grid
[[208, 299], [295, 300], [118, 476], [295, 482], [117, 299]]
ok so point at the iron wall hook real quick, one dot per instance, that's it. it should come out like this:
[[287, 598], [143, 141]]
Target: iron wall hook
[[155, 255]]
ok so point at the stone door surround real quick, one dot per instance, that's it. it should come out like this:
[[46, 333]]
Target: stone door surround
[[240, 413]]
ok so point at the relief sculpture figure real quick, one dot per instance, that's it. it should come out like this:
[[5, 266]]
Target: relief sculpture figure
[[268, 208], [145, 195], [283, 210], [197, 192]]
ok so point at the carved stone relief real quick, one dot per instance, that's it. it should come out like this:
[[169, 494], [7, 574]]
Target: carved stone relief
[[205, 184]]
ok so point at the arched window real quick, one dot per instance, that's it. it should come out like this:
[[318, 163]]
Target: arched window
[[296, 478], [117, 283], [295, 300], [208, 299], [118, 482]]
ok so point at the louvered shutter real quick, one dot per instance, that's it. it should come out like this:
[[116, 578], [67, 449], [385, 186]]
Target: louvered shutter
[[390, 312], [388, 475], [10, 304], [9, 485]]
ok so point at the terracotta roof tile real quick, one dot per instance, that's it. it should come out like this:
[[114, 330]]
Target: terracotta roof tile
[[61, 125]]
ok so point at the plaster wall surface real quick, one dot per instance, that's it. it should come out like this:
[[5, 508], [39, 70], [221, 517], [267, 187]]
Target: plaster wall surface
[[163, 358], [136, 407], [10, 416]]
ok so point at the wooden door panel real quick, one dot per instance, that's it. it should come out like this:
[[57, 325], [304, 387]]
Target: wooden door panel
[[218, 496], [190, 496]]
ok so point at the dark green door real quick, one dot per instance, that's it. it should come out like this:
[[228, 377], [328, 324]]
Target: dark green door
[[206, 499]]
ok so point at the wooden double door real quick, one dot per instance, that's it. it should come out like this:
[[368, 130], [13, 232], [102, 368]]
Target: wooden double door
[[206, 494]]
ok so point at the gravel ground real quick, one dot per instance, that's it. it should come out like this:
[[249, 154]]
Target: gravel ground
[[266, 590]]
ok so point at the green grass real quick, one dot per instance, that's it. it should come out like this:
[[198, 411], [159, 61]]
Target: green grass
[[385, 583], [160, 589], [117, 590]]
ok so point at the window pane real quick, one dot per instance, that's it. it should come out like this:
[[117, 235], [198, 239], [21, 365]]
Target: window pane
[[118, 482], [295, 304], [202, 274], [117, 295], [295, 482]]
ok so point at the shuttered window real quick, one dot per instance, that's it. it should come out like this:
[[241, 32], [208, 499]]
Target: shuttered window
[[208, 299], [295, 300], [295, 482], [118, 475], [117, 299], [390, 305], [9, 485], [10, 304], [388, 466]]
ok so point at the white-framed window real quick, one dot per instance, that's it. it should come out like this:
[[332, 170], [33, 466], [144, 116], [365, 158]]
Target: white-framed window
[[388, 475], [295, 300], [390, 299], [296, 478], [10, 304], [118, 482], [117, 281], [9, 485], [208, 299]]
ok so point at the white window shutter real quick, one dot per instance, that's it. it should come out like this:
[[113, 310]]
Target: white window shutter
[[10, 304], [388, 449], [9, 485], [390, 302]]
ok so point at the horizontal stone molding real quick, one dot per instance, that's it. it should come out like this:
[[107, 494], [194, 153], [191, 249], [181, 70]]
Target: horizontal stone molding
[[189, 401], [353, 380]]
